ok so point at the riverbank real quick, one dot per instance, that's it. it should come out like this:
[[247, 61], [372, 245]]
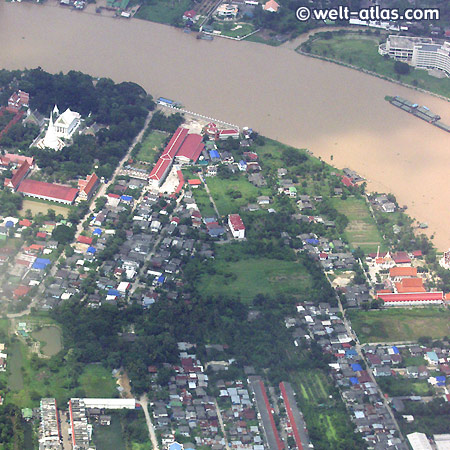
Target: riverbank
[[359, 51], [332, 110]]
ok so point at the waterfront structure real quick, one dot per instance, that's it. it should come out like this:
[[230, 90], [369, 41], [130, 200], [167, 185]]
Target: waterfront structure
[[49, 429], [183, 148], [227, 11], [236, 225], [422, 53], [445, 260]]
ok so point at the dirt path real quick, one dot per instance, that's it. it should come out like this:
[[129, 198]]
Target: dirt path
[[151, 430]]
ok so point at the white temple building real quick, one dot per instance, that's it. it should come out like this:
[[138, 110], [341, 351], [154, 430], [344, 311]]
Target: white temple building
[[62, 128]]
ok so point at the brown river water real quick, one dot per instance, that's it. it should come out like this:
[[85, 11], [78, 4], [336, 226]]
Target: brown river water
[[301, 101]]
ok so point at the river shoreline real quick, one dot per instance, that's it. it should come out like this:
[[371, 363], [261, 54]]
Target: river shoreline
[[338, 113]]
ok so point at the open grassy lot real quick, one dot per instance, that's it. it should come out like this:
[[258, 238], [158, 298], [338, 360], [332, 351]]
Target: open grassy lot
[[202, 199], [400, 324], [106, 438], [235, 30], [248, 277], [163, 11], [230, 195], [31, 378], [398, 387], [313, 396], [361, 230], [36, 206], [362, 51], [150, 146], [97, 381]]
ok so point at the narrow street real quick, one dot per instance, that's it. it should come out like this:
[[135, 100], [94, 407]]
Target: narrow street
[[151, 430], [222, 427]]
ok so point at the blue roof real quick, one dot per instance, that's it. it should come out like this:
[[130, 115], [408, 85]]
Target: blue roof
[[91, 250], [161, 279], [432, 356], [38, 266], [356, 367], [210, 219], [45, 261], [175, 446], [218, 231], [9, 223], [395, 350], [165, 100], [312, 241], [242, 163], [113, 292], [351, 352], [97, 231], [354, 380], [214, 154], [440, 378], [126, 198]]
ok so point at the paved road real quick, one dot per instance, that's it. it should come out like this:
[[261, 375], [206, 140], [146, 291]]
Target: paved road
[[151, 430]]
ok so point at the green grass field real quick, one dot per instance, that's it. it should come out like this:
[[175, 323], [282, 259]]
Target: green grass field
[[223, 197], [248, 277], [202, 199], [362, 51], [106, 438], [361, 230], [163, 11], [400, 324], [97, 381], [150, 146], [231, 30], [398, 387]]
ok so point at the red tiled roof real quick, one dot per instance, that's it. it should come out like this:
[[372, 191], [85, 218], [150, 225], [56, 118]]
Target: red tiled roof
[[19, 175], [236, 222], [21, 291], [160, 169], [114, 195], [174, 144], [410, 285], [84, 239], [402, 272], [417, 253], [411, 297], [88, 184], [347, 181], [194, 182], [8, 158], [48, 190], [41, 234], [192, 147], [25, 223]]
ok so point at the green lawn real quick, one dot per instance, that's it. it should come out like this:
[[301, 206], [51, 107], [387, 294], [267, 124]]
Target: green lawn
[[152, 143], [361, 230], [362, 51], [97, 381], [224, 190], [400, 324], [164, 11], [106, 437], [248, 277], [398, 387], [203, 202], [232, 30]]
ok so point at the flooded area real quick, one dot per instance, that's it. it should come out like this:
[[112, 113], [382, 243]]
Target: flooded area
[[332, 110], [50, 339]]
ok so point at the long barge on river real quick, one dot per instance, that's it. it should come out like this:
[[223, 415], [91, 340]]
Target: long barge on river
[[422, 112]]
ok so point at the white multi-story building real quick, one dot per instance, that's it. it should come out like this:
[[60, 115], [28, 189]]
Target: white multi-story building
[[236, 225], [422, 53]]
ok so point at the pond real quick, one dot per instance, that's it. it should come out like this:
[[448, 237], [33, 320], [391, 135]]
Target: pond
[[50, 339]]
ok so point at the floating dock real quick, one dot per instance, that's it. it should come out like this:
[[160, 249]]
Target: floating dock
[[422, 112]]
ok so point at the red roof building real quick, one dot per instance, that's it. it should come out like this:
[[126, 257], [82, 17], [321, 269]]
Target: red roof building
[[400, 272], [410, 285], [236, 225], [401, 258], [24, 223], [194, 182], [412, 299], [230, 133], [18, 176], [87, 187], [347, 181], [189, 14], [84, 239], [12, 158], [17, 100], [48, 191], [191, 149], [21, 291]]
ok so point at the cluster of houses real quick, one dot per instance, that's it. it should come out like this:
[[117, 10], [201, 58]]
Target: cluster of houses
[[358, 389], [192, 412]]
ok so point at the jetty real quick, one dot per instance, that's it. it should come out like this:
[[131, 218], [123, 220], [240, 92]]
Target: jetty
[[422, 112]]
